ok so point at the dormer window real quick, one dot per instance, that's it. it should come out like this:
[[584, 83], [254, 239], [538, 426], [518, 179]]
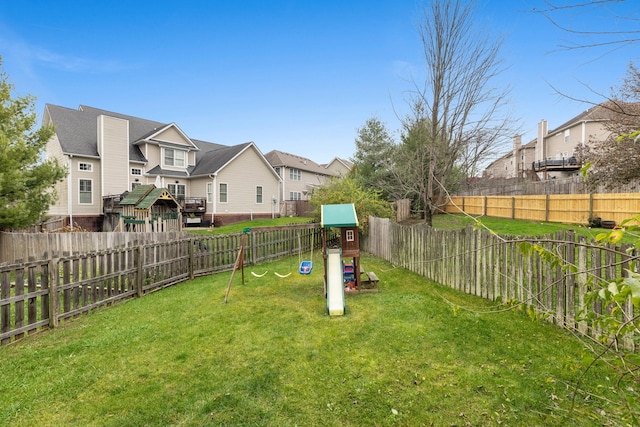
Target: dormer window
[[174, 157]]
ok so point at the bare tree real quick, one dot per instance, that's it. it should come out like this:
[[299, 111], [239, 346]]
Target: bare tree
[[616, 28], [457, 115]]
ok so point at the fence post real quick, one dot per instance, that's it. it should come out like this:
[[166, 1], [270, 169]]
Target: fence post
[[484, 206], [546, 208], [590, 205], [54, 299], [191, 243], [139, 270], [513, 207]]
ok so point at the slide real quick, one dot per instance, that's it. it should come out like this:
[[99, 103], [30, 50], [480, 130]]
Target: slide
[[335, 283]]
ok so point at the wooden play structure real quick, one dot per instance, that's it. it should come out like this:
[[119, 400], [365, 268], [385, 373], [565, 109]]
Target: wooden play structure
[[149, 209], [344, 217]]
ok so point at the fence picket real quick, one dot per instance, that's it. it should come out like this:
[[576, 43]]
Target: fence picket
[[483, 265]]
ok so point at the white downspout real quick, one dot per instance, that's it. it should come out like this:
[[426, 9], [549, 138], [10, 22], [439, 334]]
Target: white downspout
[[284, 180], [70, 192], [213, 196]]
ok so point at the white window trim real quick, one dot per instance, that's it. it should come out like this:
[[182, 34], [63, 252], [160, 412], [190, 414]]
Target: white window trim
[[350, 235], [261, 195], [209, 192], [79, 192], [295, 174], [175, 150], [220, 193], [175, 193], [85, 163], [297, 193]]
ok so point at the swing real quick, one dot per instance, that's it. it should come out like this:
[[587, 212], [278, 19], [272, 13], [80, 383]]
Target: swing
[[305, 266]]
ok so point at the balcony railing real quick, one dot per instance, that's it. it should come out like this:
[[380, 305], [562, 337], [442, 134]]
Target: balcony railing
[[570, 163], [192, 204], [111, 204]]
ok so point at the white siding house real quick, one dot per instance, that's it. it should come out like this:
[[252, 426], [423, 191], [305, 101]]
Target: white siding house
[[109, 154]]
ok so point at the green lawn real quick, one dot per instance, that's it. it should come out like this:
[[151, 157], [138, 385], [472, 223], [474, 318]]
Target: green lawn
[[516, 227], [272, 357], [240, 226]]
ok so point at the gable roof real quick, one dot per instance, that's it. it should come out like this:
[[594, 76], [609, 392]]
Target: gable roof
[[598, 113], [346, 163], [144, 196], [215, 158], [281, 159], [155, 137], [77, 132]]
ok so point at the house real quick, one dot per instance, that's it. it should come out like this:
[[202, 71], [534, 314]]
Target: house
[[515, 164], [552, 154], [299, 177], [339, 167], [108, 154], [556, 149]]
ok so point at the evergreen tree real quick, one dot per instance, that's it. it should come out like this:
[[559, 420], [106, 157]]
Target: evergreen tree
[[372, 159], [26, 180]]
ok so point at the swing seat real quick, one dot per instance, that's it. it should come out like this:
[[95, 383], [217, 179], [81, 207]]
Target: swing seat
[[306, 267]]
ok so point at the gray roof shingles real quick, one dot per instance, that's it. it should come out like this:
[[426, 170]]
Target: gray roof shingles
[[77, 133], [279, 158]]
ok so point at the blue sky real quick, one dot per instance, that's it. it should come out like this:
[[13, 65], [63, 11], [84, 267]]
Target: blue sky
[[292, 75]]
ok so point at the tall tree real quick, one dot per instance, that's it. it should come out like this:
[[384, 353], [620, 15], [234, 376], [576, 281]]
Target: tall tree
[[614, 161], [457, 116], [26, 180], [372, 158], [613, 28]]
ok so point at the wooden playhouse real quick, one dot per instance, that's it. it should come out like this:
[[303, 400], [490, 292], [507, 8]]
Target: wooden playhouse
[[150, 209], [344, 217]]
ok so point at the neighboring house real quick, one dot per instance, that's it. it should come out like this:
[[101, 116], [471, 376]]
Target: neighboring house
[[339, 167], [556, 148], [515, 164], [299, 175], [553, 153], [108, 154]]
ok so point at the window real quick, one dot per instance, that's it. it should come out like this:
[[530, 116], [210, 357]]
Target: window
[[209, 192], [177, 190], [567, 134], [295, 195], [294, 174], [350, 236], [136, 171], [87, 167], [259, 194], [174, 157], [223, 193], [84, 191], [134, 185], [278, 171]]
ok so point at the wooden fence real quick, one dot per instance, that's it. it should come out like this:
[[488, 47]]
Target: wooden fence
[[482, 264], [565, 208], [40, 293], [22, 246]]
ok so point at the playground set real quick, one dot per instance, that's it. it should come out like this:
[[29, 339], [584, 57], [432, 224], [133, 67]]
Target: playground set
[[342, 270], [341, 256]]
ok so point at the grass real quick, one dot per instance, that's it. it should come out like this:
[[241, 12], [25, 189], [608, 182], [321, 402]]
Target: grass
[[516, 227], [240, 226], [272, 357]]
